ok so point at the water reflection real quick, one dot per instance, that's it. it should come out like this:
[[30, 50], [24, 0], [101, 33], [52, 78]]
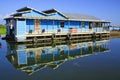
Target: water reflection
[[29, 58]]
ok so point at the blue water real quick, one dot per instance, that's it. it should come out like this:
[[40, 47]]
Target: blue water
[[101, 63]]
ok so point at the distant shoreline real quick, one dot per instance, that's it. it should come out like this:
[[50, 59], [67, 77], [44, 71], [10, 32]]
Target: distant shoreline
[[2, 29], [115, 34]]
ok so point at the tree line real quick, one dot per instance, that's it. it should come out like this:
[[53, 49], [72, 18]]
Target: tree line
[[2, 29]]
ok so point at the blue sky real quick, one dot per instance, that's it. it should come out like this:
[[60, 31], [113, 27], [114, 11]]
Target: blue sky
[[103, 9]]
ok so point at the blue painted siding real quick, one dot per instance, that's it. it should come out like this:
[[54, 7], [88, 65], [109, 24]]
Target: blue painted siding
[[21, 47], [66, 26], [48, 25], [74, 24], [21, 27], [44, 25], [56, 25], [22, 57], [86, 25], [30, 25], [33, 13], [80, 25]]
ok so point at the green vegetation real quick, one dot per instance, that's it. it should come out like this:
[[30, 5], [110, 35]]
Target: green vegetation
[[2, 29], [115, 34]]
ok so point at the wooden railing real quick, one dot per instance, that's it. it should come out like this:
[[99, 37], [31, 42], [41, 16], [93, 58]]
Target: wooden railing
[[70, 31]]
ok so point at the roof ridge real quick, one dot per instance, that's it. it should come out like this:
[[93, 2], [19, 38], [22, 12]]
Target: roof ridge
[[30, 9]]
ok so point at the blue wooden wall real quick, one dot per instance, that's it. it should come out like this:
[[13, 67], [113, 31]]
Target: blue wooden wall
[[30, 25], [49, 25], [86, 25], [21, 28], [22, 57], [74, 24]]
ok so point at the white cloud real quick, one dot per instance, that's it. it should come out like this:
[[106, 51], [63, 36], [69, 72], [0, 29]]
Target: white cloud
[[0, 16], [2, 21], [4, 16]]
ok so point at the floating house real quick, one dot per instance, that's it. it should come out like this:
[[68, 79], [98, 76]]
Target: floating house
[[29, 24]]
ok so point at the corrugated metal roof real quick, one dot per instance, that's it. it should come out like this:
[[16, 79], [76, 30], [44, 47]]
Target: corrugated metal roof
[[80, 16], [50, 11], [55, 18], [67, 16], [24, 9], [53, 11]]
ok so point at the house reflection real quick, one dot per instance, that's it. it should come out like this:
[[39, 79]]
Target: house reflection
[[30, 59]]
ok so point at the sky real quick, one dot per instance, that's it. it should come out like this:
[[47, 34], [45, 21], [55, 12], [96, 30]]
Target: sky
[[103, 9]]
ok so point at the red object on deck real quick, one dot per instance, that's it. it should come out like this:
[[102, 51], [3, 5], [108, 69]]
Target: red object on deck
[[73, 30]]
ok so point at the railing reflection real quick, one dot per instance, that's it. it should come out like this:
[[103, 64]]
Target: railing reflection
[[31, 59]]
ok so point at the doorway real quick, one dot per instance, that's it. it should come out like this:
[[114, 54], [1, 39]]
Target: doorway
[[37, 25]]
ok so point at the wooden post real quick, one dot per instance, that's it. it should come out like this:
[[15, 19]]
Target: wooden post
[[47, 25], [53, 27], [68, 25]]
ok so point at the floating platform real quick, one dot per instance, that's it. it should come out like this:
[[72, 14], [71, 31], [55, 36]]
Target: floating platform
[[60, 37]]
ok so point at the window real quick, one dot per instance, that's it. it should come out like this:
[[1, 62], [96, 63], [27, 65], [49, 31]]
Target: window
[[83, 24], [62, 24], [100, 24], [94, 24], [90, 25]]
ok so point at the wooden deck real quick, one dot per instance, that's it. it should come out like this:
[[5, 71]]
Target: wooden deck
[[61, 33], [62, 37]]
